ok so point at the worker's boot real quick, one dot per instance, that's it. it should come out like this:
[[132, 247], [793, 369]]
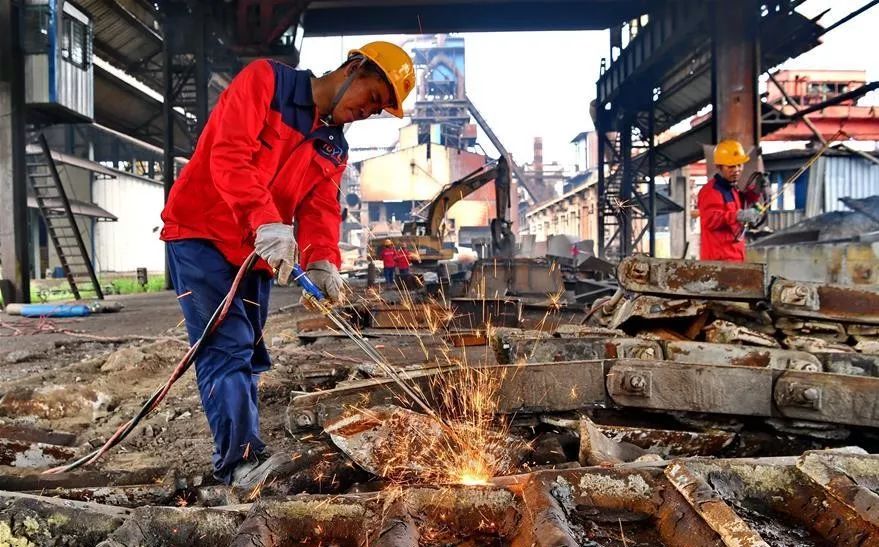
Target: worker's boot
[[259, 470]]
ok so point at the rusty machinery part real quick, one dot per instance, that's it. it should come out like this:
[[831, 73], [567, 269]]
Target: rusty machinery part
[[820, 497], [159, 394], [533, 388], [847, 304], [693, 279]]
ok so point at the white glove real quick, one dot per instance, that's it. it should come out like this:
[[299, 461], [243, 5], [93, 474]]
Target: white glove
[[277, 246], [748, 216], [325, 275]]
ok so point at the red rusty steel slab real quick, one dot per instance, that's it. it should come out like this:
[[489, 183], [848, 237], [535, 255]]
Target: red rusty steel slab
[[520, 277], [850, 478], [509, 350], [416, 316], [734, 531], [666, 385], [794, 501], [693, 279], [707, 353], [538, 387], [476, 313], [834, 398], [691, 443], [825, 301]]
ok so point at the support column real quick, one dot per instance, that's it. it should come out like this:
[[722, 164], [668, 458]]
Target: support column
[[168, 117], [626, 190], [736, 67], [677, 222], [13, 184], [651, 182]]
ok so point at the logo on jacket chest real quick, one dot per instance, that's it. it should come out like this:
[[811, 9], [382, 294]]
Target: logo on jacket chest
[[331, 151]]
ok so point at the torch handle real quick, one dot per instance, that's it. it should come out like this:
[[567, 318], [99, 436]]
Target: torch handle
[[307, 285]]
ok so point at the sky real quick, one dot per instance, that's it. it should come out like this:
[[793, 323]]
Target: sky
[[540, 83]]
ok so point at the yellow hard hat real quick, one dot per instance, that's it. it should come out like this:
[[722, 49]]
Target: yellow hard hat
[[730, 152], [388, 243], [397, 67]]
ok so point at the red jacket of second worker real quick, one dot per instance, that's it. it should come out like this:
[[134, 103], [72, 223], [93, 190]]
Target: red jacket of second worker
[[719, 203], [401, 259], [263, 157]]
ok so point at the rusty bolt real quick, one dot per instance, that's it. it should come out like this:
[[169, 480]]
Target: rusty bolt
[[637, 382], [801, 291], [305, 418], [811, 394], [640, 272]]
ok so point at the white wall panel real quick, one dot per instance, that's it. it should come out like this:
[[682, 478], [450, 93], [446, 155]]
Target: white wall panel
[[133, 241]]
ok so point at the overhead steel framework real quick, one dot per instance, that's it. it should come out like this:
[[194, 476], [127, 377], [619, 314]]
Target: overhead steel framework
[[669, 71]]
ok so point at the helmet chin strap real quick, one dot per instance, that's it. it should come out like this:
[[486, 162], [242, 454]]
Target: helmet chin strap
[[328, 119]]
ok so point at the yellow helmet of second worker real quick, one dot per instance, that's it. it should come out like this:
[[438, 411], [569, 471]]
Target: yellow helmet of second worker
[[388, 243], [397, 67], [730, 152]]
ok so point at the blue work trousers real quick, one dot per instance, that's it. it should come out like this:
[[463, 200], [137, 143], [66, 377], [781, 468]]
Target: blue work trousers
[[228, 367], [389, 276]]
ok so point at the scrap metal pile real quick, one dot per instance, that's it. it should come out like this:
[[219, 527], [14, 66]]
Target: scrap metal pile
[[704, 404]]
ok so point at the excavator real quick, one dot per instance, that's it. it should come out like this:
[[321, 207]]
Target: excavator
[[425, 237]]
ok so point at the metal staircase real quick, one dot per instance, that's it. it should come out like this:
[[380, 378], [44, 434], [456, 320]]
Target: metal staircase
[[61, 225]]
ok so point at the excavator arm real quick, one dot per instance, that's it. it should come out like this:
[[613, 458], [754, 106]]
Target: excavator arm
[[427, 234]]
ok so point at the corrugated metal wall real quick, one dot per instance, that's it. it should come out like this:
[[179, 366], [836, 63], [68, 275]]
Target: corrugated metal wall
[[75, 88], [133, 241], [853, 177], [36, 74]]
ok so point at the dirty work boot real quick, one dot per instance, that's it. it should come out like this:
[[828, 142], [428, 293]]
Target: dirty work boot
[[249, 473]]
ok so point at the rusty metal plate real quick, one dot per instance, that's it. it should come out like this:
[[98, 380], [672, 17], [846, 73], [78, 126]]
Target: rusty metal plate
[[693, 279], [654, 308], [471, 313], [734, 531], [520, 277], [551, 350], [724, 332], [740, 356], [416, 316], [856, 364], [552, 387], [539, 387], [834, 398], [666, 385], [851, 478], [824, 301]]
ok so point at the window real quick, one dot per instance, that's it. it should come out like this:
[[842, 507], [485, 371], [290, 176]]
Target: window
[[75, 42], [36, 29]]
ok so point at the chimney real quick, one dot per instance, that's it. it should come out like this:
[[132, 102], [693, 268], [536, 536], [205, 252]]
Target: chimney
[[537, 165]]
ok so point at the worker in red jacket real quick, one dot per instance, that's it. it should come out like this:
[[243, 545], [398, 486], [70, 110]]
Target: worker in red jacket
[[265, 176], [389, 262], [401, 260], [725, 206]]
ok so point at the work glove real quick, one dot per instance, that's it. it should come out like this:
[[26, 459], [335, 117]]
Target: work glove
[[748, 216], [325, 275], [276, 245]]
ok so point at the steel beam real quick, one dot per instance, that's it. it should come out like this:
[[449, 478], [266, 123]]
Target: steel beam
[[13, 183], [736, 66]]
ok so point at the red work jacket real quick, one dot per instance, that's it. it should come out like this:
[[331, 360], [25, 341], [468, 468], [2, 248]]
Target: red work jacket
[[719, 202], [389, 257], [263, 157], [401, 259]]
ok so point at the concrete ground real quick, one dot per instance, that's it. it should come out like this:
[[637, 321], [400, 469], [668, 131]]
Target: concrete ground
[[30, 345]]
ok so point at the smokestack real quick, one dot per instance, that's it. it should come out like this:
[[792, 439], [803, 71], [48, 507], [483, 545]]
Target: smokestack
[[538, 161]]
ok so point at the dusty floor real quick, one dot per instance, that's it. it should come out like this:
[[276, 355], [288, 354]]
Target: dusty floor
[[95, 376]]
